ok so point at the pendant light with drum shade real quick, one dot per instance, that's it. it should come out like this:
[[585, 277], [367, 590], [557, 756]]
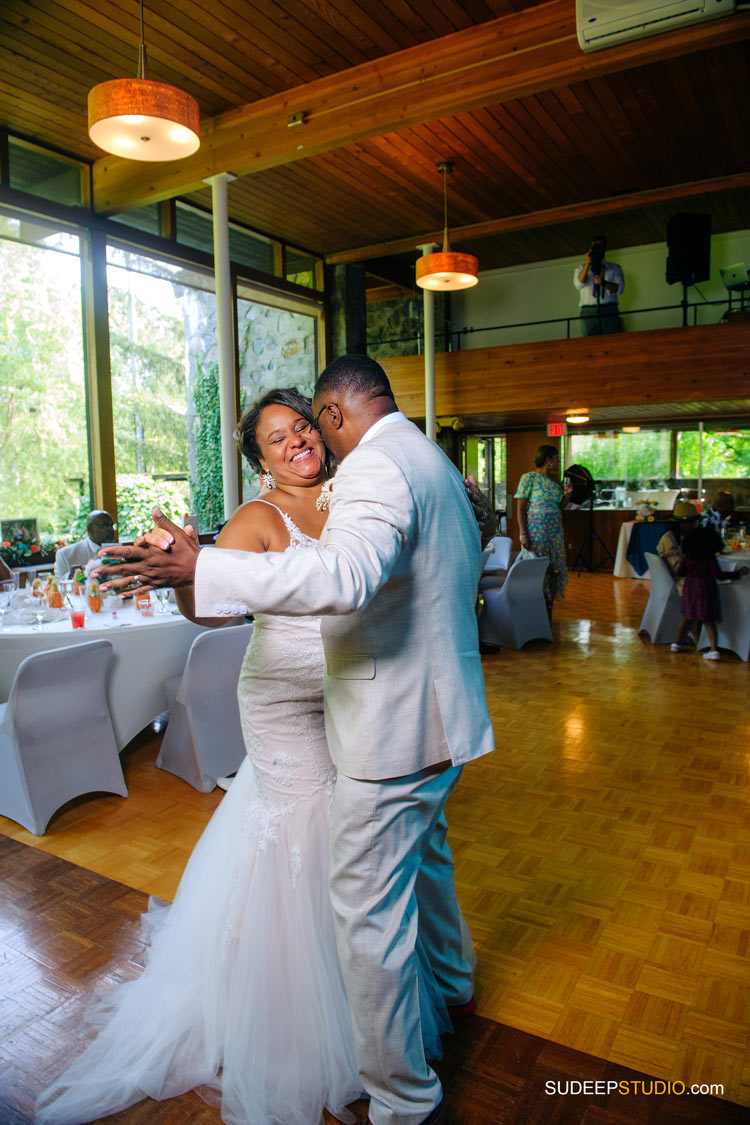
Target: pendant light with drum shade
[[141, 119], [446, 269]]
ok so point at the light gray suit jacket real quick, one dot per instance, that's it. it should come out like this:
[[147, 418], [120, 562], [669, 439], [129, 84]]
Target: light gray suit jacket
[[395, 577]]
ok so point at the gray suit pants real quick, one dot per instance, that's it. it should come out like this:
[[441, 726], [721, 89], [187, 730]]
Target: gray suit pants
[[391, 876]]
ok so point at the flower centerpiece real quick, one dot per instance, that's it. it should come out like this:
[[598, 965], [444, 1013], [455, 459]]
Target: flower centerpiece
[[27, 551]]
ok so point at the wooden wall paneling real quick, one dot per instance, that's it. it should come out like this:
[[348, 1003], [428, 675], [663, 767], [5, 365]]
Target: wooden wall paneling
[[671, 365], [606, 523]]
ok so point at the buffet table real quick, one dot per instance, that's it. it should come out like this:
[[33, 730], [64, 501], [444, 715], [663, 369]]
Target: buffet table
[[146, 651]]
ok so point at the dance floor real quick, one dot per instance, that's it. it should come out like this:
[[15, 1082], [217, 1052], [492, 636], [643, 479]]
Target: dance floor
[[603, 863], [65, 931]]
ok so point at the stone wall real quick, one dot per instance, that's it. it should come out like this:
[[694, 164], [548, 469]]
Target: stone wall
[[397, 327]]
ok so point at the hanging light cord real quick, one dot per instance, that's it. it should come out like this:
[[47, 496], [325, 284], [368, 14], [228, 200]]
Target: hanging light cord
[[445, 208], [445, 167], [142, 61]]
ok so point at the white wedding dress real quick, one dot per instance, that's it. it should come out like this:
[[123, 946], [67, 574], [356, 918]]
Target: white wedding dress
[[242, 996]]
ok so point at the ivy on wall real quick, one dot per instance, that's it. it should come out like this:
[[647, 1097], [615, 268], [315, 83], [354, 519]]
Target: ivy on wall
[[208, 491]]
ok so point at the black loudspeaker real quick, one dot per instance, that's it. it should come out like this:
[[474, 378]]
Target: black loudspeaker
[[689, 246], [582, 482]]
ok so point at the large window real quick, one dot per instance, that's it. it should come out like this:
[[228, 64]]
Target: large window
[[640, 460], [43, 444], [162, 322], [724, 453]]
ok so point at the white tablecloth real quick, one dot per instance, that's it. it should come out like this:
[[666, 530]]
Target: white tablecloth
[[622, 568], [733, 560], [734, 599], [146, 651]]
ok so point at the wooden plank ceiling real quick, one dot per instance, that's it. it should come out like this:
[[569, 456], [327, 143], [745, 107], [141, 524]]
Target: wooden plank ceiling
[[668, 115]]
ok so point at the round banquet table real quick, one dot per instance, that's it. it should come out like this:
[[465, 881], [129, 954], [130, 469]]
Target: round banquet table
[[145, 652], [734, 599]]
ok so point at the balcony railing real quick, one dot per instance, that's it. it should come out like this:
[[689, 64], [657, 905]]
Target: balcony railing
[[555, 328]]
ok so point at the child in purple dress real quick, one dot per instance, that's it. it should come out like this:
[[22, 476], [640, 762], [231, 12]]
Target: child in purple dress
[[700, 594]]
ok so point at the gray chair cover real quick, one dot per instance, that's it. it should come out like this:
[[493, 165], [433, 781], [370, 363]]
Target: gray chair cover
[[499, 557], [56, 737], [203, 739], [495, 566], [516, 613], [662, 614]]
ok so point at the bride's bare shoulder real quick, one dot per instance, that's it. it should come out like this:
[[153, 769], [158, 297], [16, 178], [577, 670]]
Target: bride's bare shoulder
[[254, 527]]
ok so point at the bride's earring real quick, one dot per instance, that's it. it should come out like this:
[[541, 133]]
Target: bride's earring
[[267, 480]]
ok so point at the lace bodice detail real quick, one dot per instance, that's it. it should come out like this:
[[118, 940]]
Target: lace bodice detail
[[297, 538], [280, 694]]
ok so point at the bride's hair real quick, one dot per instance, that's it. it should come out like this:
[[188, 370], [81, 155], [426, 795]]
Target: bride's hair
[[248, 423]]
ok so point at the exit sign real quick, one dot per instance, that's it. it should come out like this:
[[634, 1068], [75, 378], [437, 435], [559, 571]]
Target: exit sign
[[557, 429]]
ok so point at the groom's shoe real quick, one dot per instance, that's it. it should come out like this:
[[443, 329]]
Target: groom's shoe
[[437, 1117], [458, 1011]]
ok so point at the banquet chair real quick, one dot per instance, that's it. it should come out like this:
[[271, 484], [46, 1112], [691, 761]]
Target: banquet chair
[[516, 613], [203, 739], [733, 631], [662, 614], [56, 736], [496, 564]]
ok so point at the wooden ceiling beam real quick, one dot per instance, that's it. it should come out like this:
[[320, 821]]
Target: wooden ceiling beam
[[567, 213], [503, 59]]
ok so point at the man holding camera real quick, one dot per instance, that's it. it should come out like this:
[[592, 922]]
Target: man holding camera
[[599, 283]]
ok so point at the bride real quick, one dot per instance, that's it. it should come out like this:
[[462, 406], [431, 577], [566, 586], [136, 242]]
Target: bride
[[242, 996]]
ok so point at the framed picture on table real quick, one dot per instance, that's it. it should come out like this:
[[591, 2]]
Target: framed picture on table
[[23, 529]]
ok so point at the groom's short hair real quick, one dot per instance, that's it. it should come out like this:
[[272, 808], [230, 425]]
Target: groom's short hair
[[355, 373]]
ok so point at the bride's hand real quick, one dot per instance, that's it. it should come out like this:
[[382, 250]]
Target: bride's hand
[[165, 556], [160, 537]]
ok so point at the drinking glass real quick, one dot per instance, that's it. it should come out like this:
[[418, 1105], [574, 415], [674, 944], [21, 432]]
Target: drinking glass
[[6, 593], [39, 615], [163, 596], [77, 606]]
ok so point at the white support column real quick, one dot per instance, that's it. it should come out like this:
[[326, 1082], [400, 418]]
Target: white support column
[[225, 340], [429, 352], [700, 462]]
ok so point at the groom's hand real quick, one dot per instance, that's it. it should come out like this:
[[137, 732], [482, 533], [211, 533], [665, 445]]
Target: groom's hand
[[165, 556]]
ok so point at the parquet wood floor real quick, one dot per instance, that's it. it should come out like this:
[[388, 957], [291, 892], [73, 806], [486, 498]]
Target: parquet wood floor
[[602, 853], [66, 932]]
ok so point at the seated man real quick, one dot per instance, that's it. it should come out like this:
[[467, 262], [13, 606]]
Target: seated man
[[719, 512], [100, 529]]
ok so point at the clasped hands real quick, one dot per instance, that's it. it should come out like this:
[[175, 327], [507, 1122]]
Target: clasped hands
[[165, 556]]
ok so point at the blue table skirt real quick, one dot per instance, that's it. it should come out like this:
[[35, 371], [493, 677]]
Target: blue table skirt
[[644, 537]]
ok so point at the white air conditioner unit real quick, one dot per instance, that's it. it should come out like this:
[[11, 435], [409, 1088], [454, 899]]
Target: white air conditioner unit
[[603, 23]]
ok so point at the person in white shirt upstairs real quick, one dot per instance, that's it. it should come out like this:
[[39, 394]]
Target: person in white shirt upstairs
[[599, 284]]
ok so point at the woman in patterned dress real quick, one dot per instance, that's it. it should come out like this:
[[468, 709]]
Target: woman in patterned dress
[[540, 497]]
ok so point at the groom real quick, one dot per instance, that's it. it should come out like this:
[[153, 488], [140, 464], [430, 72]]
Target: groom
[[394, 576]]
